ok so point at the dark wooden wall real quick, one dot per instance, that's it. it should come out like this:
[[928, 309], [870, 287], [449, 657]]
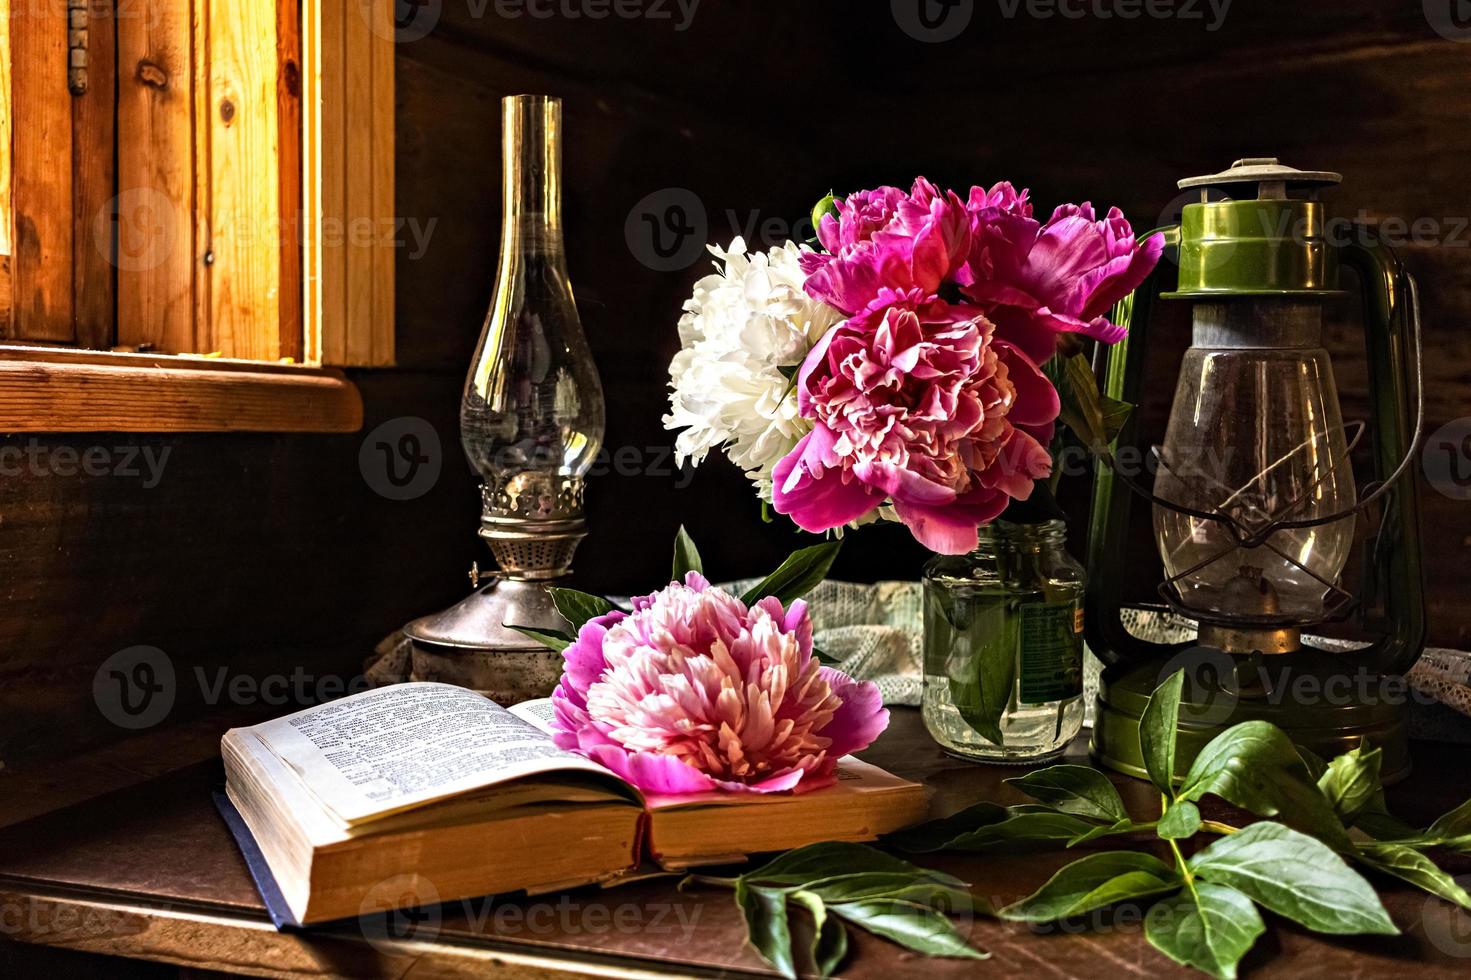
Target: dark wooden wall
[[265, 555]]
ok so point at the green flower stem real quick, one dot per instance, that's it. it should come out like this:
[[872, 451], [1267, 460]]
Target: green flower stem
[[1185, 872], [1216, 827], [707, 880]]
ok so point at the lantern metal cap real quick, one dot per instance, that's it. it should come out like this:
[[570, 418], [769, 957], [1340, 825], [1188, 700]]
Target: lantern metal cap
[[1270, 242], [1269, 174]]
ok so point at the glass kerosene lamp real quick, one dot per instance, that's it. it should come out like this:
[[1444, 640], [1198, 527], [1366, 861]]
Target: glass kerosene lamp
[[1254, 502], [531, 423]]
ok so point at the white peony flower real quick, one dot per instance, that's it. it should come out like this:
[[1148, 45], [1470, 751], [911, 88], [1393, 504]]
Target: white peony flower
[[744, 333]]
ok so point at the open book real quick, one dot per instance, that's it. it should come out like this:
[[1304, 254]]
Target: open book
[[446, 786]]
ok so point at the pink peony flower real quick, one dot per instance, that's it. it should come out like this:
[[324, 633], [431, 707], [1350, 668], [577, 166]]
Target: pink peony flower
[[916, 402], [693, 692], [885, 238], [1038, 280]]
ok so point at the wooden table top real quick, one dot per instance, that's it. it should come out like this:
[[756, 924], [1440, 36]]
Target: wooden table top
[[149, 871]]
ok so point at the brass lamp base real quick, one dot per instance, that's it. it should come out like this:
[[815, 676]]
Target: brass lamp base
[[1324, 703], [468, 644]]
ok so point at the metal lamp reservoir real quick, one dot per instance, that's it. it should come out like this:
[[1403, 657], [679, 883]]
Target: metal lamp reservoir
[[1255, 506], [531, 423]]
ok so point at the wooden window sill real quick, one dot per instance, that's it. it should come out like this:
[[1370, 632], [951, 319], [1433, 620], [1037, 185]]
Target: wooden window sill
[[52, 390]]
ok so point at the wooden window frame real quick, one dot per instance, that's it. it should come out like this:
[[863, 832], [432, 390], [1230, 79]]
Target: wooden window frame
[[335, 87]]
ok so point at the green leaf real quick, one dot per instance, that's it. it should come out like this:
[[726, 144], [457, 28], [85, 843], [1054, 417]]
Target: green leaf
[[1410, 865], [1094, 882], [1112, 830], [929, 888], [828, 860], [912, 926], [1255, 766], [936, 835], [1351, 781], [1457, 823], [553, 639], [825, 658], [1157, 731], [1094, 419], [1079, 790], [765, 911], [802, 572], [829, 938], [1039, 506], [1314, 762], [1023, 828], [981, 661], [1296, 876], [1377, 823], [986, 825], [1208, 927], [686, 556], [1180, 820], [579, 607]]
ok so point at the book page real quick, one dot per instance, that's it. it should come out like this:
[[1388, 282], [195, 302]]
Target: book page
[[388, 749], [538, 712], [854, 778]]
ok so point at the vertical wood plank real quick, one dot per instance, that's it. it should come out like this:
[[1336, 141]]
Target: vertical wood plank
[[289, 168], [381, 317], [331, 218], [7, 211], [244, 193], [348, 98], [311, 178], [94, 133], [156, 247], [42, 168], [358, 233]]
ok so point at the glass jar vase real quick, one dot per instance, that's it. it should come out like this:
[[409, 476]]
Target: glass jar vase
[[1003, 645]]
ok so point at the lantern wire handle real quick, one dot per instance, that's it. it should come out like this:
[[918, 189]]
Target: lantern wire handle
[[1259, 537]]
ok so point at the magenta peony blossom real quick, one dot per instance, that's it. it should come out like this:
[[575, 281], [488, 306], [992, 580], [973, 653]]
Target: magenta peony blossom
[[917, 403], [693, 692], [1038, 280], [888, 239]]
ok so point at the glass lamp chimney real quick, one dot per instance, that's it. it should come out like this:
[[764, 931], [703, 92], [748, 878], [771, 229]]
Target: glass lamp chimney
[[531, 416]]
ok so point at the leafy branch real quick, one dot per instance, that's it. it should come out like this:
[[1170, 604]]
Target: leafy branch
[[1203, 910], [838, 885], [802, 572]]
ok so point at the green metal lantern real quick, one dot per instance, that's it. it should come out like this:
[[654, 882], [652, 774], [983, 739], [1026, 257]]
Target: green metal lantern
[[1255, 505]]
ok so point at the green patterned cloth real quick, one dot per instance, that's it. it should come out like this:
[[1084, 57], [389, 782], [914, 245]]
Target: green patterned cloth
[[876, 633]]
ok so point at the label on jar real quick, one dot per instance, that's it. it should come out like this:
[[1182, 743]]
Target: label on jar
[[1051, 652]]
